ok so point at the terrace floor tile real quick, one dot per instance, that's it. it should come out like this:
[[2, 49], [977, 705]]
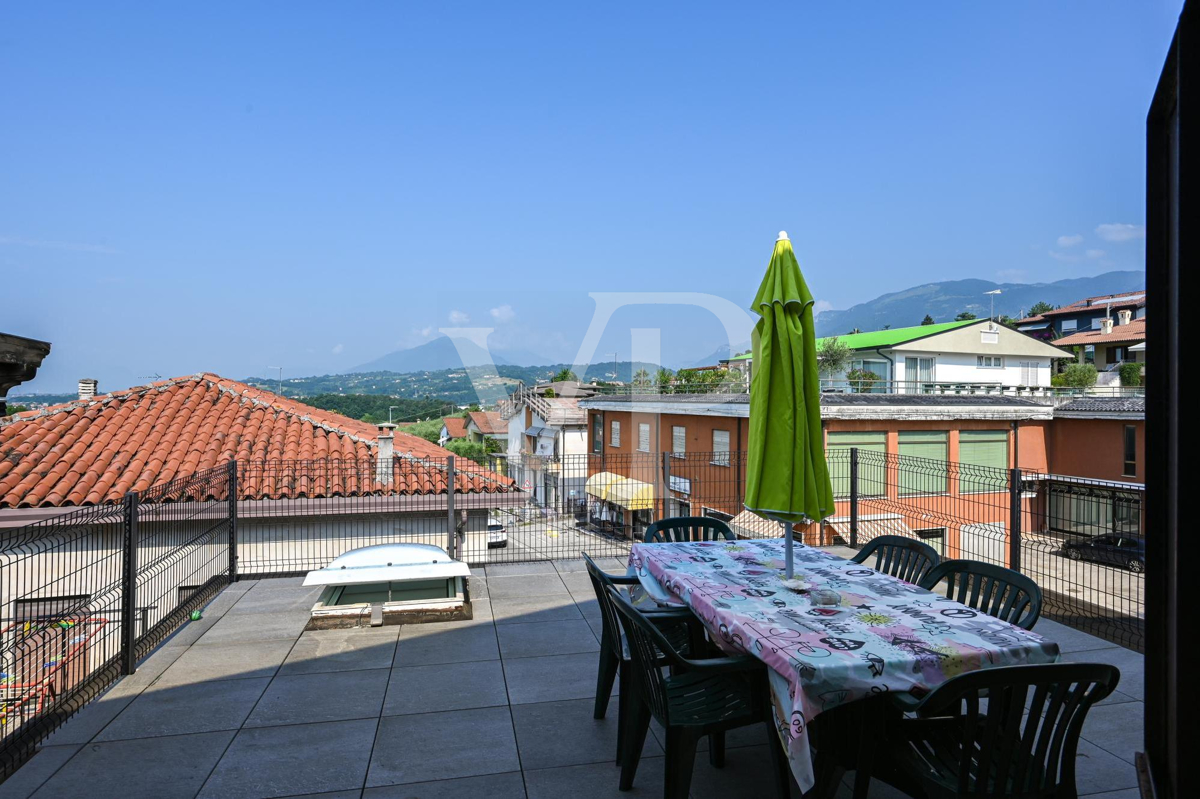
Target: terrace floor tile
[[525, 586], [554, 734], [596, 781], [243, 660], [293, 760], [342, 650], [324, 696], [522, 610], [174, 766], [427, 646], [447, 686], [546, 638], [509, 785], [180, 709], [440, 746], [554, 678]]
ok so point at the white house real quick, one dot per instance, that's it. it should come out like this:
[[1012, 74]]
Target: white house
[[947, 356], [541, 430]]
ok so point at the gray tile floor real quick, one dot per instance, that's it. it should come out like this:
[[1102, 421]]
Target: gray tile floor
[[244, 704]]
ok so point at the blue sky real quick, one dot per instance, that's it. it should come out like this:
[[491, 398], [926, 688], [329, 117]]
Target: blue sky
[[227, 186]]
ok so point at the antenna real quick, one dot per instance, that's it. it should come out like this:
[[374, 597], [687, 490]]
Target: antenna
[[992, 315], [279, 391], [390, 409]]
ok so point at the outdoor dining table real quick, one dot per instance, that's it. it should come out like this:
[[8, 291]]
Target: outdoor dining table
[[884, 634]]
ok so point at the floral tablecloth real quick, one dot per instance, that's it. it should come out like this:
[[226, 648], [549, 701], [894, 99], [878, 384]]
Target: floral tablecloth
[[886, 635]]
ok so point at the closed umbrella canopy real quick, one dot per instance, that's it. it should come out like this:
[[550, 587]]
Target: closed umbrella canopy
[[786, 475]]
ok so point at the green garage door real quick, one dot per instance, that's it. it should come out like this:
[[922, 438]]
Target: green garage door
[[871, 467], [928, 475], [983, 455]]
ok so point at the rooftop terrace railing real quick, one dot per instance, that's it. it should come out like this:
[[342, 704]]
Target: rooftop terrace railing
[[85, 595], [861, 386]]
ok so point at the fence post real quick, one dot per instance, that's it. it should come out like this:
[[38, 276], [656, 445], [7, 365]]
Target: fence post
[[1014, 519], [666, 492], [854, 497], [233, 499], [129, 586], [451, 516]]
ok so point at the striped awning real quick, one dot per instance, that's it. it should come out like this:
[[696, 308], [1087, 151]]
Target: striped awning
[[868, 528]]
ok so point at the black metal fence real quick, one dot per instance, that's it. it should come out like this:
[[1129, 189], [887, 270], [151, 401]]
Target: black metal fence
[[1082, 541], [85, 595]]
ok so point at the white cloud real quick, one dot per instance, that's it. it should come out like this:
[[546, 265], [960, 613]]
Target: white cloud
[[504, 313], [57, 245], [820, 307], [1064, 257], [1070, 241], [459, 318], [1121, 232], [338, 349], [425, 332], [1094, 253]]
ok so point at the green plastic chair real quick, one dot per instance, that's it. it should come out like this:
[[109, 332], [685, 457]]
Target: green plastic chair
[[679, 625], [994, 590], [900, 556], [682, 529], [961, 745], [695, 698]]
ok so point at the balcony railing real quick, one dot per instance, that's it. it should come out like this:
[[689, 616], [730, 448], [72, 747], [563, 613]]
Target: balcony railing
[[842, 386]]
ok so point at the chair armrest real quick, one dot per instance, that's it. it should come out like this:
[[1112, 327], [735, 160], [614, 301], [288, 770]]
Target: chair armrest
[[624, 580], [724, 665], [905, 702], [669, 614]]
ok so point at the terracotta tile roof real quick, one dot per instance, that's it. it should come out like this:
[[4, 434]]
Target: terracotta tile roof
[[456, 426], [490, 423], [1134, 331], [1128, 299], [88, 452]]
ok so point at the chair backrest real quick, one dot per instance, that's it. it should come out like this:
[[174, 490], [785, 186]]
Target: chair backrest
[[994, 590], [688, 528], [899, 556], [610, 636], [994, 740], [649, 650]]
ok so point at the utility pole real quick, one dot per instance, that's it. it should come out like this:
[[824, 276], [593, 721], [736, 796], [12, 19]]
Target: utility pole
[[279, 389], [992, 314]]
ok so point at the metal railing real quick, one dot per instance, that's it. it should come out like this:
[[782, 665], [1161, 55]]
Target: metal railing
[[881, 386], [1082, 541], [85, 595]]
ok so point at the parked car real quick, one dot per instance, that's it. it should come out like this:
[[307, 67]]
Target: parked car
[[1119, 550], [497, 533]]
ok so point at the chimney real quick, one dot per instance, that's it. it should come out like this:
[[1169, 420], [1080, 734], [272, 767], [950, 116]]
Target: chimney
[[1123, 317], [87, 388], [1106, 325], [385, 453]]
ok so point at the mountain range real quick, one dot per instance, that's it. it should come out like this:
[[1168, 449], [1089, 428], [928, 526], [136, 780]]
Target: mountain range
[[945, 300]]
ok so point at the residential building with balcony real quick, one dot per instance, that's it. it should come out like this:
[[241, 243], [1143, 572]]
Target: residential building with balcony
[[546, 425], [1116, 340], [945, 357], [1086, 314]]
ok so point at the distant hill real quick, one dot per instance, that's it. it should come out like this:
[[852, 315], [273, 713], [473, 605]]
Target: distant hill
[[719, 354], [441, 353], [943, 301]]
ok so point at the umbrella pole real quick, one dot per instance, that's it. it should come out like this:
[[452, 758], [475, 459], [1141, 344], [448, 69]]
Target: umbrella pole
[[787, 548]]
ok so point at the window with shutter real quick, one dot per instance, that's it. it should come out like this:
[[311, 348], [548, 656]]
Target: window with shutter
[[983, 459], [643, 437], [720, 445], [614, 435], [871, 466], [679, 441], [926, 472]]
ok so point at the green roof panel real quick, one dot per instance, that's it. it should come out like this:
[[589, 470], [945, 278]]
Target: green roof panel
[[877, 339]]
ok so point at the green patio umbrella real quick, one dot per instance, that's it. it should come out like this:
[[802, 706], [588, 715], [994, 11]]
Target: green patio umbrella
[[786, 475]]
